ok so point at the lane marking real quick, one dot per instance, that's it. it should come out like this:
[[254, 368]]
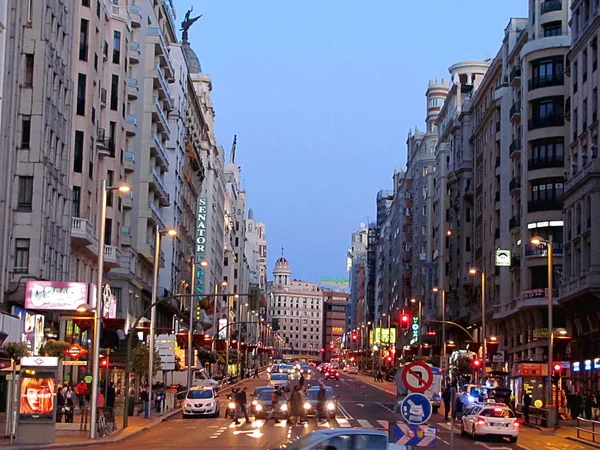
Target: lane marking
[[343, 422], [190, 428], [364, 423]]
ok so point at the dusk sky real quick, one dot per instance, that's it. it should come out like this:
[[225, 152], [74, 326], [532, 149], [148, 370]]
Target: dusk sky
[[322, 94]]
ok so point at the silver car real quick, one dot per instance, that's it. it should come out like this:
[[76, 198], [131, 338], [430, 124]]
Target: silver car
[[280, 379]]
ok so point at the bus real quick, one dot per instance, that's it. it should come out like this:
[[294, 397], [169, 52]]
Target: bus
[[334, 363]]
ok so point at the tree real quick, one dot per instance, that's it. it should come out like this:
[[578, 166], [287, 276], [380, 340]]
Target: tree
[[16, 350], [54, 348], [140, 360]]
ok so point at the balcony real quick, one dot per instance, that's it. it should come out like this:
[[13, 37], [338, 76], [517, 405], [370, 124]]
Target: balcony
[[125, 235], [111, 256], [102, 144], [127, 200], [149, 250], [553, 120], [159, 151], [515, 111], [160, 117], [514, 223], [592, 168], [546, 162], [515, 76], [120, 13], [134, 52], [133, 90], [159, 187], [160, 83], [131, 125], [156, 215], [555, 79], [161, 49], [82, 232], [514, 185], [136, 16], [129, 161], [515, 147], [550, 204], [551, 5], [103, 98]]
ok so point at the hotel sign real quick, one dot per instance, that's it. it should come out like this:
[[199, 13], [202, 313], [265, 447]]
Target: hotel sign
[[200, 245]]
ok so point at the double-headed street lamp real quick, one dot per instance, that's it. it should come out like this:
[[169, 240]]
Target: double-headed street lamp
[[103, 194], [549, 249], [158, 232], [475, 271]]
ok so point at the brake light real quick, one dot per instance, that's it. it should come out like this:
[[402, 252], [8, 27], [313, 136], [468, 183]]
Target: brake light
[[516, 425], [481, 422], [497, 409]]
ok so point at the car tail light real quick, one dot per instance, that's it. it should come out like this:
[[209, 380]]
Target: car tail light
[[497, 409], [481, 422], [516, 424]]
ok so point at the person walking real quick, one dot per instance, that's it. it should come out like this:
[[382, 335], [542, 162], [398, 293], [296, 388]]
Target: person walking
[[301, 381], [526, 405], [275, 400], [145, 407], [446, 397], [296, 407], [60, 404], [242, 400], [588, 405], [458, 406], [81, 390], [111, 395], [256, 372], [322, 412]]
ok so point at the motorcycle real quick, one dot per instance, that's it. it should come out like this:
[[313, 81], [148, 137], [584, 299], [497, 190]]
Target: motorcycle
[[159, 399], [230, 410]]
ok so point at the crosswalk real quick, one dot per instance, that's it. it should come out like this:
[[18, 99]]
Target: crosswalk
[[338, 422]]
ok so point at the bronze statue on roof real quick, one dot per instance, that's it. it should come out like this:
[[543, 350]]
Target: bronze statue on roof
[[187, 23]]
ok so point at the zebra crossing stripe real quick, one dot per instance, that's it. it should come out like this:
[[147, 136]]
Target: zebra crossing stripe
[[343, 423], [364, 423]]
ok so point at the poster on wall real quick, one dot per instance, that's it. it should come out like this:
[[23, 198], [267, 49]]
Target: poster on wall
[[37, 397], [33, 329]]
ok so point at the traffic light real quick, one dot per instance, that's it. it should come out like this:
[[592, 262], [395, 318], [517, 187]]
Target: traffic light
[[388, 359], [354, 337], [404, 321], [556, 369], [476, 364], [104, 362], [331, 346]]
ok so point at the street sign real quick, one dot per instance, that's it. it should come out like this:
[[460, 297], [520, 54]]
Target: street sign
[[413, 435], [416, 409], [165, 345], [444, 363], [75, 351], [498, 357], [74, 363], [417, 376]]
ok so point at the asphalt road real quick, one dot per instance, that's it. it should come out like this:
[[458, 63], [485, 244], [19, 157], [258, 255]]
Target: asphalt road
[[363, 405]]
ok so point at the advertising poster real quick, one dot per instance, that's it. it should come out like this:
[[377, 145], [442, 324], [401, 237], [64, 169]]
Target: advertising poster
[[37, 397], [222, 329]]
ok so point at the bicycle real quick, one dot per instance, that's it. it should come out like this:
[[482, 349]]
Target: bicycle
[[102, 425]]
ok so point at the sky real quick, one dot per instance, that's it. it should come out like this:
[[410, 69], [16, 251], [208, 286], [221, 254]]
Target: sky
[[321, 95]]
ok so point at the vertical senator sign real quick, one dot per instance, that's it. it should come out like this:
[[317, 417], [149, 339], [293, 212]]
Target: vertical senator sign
[[200, 244]]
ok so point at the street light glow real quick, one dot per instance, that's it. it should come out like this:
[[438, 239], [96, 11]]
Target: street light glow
[[473, 271], [224, 284], [123, 188], [172, 232], [536, 240], [204, 263], [413, 300], [436, 289]]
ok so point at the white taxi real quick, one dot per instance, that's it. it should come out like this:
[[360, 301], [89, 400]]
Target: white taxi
[[490, 419], [201, 401]]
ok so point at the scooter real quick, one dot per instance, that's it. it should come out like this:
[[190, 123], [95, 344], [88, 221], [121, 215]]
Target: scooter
[[230, 410]]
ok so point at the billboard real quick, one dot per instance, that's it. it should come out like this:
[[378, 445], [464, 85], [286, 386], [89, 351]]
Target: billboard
[[37, 397], [55, 295], [383, 336]]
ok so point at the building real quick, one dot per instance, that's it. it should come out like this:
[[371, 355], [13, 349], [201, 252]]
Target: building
[[334, 319], [384, 203], [357, 257], [298, 307], [581, 273]]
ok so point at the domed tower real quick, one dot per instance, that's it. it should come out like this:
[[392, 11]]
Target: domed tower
[[437, 91], [282, 275]]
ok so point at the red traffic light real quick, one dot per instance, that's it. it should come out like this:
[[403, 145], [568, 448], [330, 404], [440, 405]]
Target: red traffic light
[[354, 338], [103, 362], [557, 367], [476, 363], [331, 346], [389, 359], [404, 321]]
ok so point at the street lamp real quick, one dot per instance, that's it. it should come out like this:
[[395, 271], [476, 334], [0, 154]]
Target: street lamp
[[159, 232], [474, 271], [420, 313], [122, 188], [443, 291], [549, 249]]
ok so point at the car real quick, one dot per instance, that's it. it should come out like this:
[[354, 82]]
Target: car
[[310, 406], [490, 419], [342, 438], [280, 379], [332, 373], [476, 392], [353, 370], [201, 401], [256, 394], [322, 368], [262, 405], [273, 369]]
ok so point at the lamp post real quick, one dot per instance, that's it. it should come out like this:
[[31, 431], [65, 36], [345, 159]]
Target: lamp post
[[474, 271], [419, 315], [549, 248], [103, 194], [159, 232], [443, 291]]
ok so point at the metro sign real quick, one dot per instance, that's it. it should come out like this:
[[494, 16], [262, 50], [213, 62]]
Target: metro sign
[[75, 351]]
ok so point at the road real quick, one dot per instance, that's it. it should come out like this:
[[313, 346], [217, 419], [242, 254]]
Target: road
[[363, 404]]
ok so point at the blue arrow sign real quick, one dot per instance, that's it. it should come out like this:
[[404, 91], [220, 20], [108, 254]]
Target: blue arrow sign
[[416, 409], [413, 435]]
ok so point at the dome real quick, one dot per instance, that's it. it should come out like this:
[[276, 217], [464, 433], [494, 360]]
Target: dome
[[282, 262], [191, 58]]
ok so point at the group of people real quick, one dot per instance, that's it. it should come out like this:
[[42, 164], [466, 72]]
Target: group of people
[[65, 399], [250, 373], [586, 405]]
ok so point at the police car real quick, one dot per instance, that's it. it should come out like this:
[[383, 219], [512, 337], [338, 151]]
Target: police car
[[489, 419]]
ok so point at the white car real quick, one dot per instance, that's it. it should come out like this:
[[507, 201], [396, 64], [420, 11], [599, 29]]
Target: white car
[[280, 379], [490, 419], [353, 370], [342, 438], [201, 401]]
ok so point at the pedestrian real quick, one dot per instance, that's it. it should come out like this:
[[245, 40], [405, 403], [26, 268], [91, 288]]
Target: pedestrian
[[111, 395], [145, 407], [458, 406], [60, 403], [322, 411], [81, 390], [588, 405], [526, 405], [241, 399], [256, 372], [576, 407], [446, 397], [296, 407], [301, 381], [275, 400]]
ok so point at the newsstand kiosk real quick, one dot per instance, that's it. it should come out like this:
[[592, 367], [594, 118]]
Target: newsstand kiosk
[[36, 406]]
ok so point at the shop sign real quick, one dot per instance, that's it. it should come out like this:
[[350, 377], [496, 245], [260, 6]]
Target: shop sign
[[533, 293], [587, 364], [55, 295], [74, 363], [498, 357], [531, 370], [200, 246], [596, 363], [502, 258], [540, 333], [415, 330], [576, 366], [75, 351]]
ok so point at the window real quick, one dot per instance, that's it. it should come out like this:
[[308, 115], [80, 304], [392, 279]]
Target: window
[[114, 92], [108, 232], [594, 50], [110, 175], [116, 57], [25, 131], [78, 152], [25, 193], [85, 3], [83, 40], [595, 105], [553, 29], [547, 191], [28, 82], [547, 72], [21, 255], [81, 80], [76, 203], [91, 159]]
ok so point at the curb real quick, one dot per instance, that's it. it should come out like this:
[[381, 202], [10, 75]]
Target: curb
[[111, 440], [582, 441]]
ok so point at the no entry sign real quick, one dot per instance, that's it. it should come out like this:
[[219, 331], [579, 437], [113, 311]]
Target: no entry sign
[[417, 376]]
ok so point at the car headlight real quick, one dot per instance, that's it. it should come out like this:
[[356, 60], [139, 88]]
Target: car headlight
[[208, 405], [307, 405], [330, 406], [269, 369], [283, 407], [254, 402], [259, 407]]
